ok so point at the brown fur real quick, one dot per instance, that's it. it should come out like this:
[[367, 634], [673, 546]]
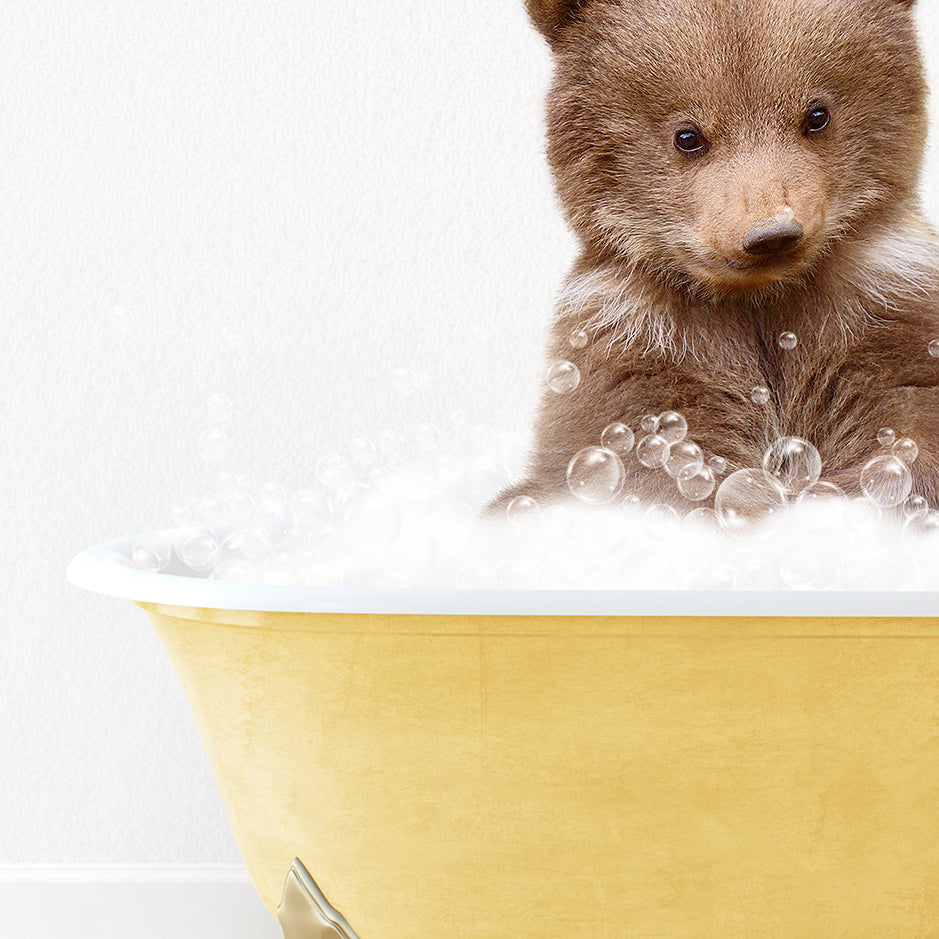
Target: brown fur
[[674, 322]]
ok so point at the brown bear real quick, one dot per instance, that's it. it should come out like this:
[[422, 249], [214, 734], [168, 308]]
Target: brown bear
[[738, 171]]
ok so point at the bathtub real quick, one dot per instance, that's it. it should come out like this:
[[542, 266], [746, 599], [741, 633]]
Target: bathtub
[[555, 764]]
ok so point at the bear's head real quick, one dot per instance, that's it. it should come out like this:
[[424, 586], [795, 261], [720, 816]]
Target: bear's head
[[728, 145]]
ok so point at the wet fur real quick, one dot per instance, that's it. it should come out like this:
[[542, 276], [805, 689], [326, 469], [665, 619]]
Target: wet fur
[[669, 327]]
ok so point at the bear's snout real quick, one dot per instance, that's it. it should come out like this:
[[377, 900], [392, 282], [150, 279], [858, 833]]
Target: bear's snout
[[773, 236]]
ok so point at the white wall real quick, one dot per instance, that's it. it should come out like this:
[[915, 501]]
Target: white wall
[[286, 201]]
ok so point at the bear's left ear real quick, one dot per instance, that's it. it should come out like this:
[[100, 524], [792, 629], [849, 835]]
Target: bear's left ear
[[550, 15]]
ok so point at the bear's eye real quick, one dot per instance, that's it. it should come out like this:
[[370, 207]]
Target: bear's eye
[[818, 118], [690, 140]]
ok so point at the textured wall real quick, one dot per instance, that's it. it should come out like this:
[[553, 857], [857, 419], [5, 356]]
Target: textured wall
[[278, 202]]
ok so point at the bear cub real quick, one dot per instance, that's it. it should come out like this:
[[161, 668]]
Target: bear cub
[[742, 177]]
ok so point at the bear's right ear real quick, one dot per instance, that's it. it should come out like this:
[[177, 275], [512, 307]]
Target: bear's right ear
[[550, 15]]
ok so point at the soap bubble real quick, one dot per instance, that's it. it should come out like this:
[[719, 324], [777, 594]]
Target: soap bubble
[[254, 543], [800, 568], [825, 504], [703, 518], [119, 321], [198, 548], [652, 451], [793, 463], [363, 452], [919, 526], [747, 500], [934, 348], [886, 481], [390, 445], [684, 455], [238, 571], [906, 450], [563, 377], [718, 465], [278, 568], [427, 437], [219, 408], [658, 519], [214, 445], [760, 395], [650, 424], [448, 470], [151, 552], [579, 338], [886, 436], [619, 438], [336, 476], [916, 507], [595, 475], [182, 516], [308, 504], [672, 426], [696, 482], [213, 511], [788, 341], [522, 510], [372, 522]]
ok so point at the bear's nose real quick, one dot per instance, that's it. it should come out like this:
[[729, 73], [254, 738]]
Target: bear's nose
[[773, 236]]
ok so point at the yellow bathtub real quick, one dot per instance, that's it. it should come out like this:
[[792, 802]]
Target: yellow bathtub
[[551, 765]]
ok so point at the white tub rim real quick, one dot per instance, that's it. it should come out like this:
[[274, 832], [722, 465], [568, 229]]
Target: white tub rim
[[98, 570]]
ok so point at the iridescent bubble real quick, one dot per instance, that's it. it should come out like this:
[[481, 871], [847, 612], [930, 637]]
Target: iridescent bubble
[[916, 507], [672, 426], [595, 475], [649, 424], [718, 465], [652, 451], [684, 455], [934, 348], [886, 481], [788, 341], [522, 510], [696, 482], [619, 438], [906, 450], [579, 338], [563, 377], [747, 501], [793, 463], [219, 408], [760, 395], [214, 445], [151, 552], [886, 436], [427, 437], [198, 548]]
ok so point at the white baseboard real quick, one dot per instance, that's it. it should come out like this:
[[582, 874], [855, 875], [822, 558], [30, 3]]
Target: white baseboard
[[131, 901]]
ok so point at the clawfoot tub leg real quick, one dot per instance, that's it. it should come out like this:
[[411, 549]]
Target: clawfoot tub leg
[[304, 913]]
